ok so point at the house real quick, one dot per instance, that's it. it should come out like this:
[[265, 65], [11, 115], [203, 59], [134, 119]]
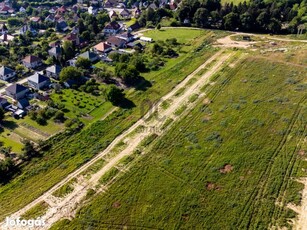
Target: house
[[50, 18], [6, 73], [23, 103], [110, 3], [74, 38], [102, 47], [135, 45], [6, 38], [3, 29], [134, 26], [3, 103], [53, 71], [89, 55], [22, 9], [53, 10], [23, 30], [125, 14], [38, 81], [92, 10], [6, 10], [62, 10], [61, 26], [112, 28], [35, 19], [116, 42], [31, 62], [113, 14], [16, 91], [55, 52], [127, 36]]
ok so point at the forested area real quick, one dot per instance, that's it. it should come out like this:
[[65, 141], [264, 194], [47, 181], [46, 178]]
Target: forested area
[[253, 16]]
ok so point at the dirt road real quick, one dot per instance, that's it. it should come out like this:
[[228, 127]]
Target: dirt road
[[65, 207]]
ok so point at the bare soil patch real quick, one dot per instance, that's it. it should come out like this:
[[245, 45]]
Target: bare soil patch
[[301, 152], [226, 169], [116, 204]]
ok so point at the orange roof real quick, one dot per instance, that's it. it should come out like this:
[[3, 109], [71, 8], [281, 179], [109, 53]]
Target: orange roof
[[31, 59], [102, 46]]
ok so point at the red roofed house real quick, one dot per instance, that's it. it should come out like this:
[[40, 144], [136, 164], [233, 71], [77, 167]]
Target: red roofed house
[[102, 47], [31, 61]]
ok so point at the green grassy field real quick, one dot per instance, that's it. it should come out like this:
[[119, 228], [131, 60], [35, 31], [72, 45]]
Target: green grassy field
[[226, 165], [67, 152], [182, 35]]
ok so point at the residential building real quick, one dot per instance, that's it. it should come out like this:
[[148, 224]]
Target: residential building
[[55, 52], [38, 81], [89, 55], [112, 28], [116, 42], [102, 47], [16, 91], [125, 14], [127, 36], [32, 62], [53, 71], [6, 73]]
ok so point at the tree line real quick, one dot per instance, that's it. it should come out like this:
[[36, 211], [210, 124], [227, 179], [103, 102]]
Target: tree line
[[273, 16]]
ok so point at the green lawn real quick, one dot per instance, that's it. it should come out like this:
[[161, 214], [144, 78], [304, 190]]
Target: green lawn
[[225, 165], [77, 103], [182, 35], [11, 140], [67, 152]]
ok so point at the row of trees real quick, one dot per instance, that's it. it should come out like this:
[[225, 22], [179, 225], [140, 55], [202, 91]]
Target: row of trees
[[252, 16]]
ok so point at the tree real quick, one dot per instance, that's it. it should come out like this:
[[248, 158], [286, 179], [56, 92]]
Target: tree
[[28, 150], [104, 75], [59, 116], [231, 21], [68, 50], [201, 17], [1, 114], [70, 73], [114, 94], [83, 63], [128, 73]]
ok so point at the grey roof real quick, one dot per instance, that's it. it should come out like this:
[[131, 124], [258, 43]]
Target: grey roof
[[3, 100], [16, 88], [5, 70], [24, 103], [61, 25], [55, 50], [38, 78], [56, 69], [88, 55]]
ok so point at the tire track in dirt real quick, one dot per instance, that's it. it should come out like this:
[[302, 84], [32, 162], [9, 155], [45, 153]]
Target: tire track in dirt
[[66, 207], [255, 197]]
